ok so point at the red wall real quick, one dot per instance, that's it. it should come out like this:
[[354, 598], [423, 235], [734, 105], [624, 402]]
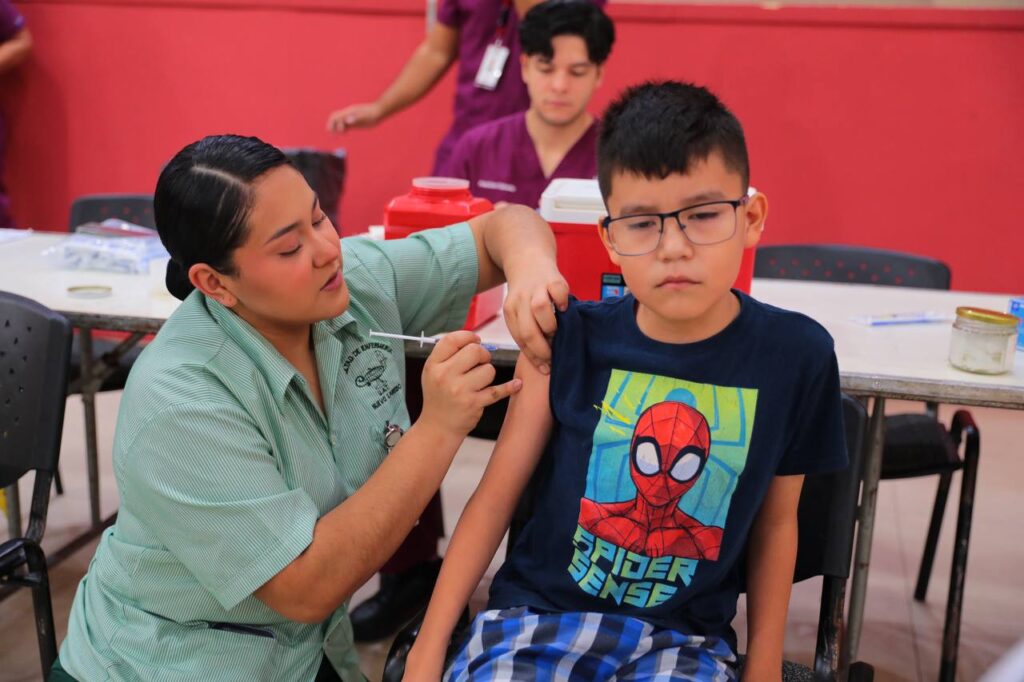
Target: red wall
[[892, 128]]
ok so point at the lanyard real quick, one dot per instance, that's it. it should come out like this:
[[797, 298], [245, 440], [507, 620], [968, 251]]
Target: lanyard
[[503, 15]]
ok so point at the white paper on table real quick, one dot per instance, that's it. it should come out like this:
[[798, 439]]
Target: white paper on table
[[8, 234]]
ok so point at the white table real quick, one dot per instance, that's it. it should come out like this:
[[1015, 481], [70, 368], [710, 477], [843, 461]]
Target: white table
[[138, 304], [906, 362]]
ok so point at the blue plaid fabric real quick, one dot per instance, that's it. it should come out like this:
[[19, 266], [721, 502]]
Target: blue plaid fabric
[[520, 644]]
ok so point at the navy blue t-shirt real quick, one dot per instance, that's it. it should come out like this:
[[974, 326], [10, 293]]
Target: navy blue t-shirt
[[660, 458]]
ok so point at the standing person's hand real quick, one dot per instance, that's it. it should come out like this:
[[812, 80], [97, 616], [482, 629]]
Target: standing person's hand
[[457, 384], [354, 116]]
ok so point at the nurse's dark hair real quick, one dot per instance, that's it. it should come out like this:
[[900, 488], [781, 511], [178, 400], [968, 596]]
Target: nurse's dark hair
[[202, 202], [663, 127], [554, 18]]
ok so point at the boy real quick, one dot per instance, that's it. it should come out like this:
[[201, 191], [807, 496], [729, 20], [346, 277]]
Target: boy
[[565, 44], [671, 441]]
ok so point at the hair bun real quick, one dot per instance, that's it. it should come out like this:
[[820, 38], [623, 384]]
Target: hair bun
[[177, 280]]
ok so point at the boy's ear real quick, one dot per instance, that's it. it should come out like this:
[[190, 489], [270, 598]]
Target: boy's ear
[[522, 66], [755, 212], [211, 283], [603, 236]]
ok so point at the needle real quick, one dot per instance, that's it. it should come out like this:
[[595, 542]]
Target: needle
[[422, 339]]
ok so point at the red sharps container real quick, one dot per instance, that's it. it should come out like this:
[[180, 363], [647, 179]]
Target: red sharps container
[[437, 202]]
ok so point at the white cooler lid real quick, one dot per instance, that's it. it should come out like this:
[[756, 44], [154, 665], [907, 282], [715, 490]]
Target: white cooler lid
[[572, 200]]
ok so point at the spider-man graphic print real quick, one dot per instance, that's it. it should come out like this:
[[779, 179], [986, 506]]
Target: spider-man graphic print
[[666, 456]]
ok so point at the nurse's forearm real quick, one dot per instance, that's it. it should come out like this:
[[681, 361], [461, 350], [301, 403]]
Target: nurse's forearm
[[351, 542], [511, 240], [424, 68]]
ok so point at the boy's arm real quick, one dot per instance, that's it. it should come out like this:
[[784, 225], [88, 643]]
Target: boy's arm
[[771, 559], [485, 519]]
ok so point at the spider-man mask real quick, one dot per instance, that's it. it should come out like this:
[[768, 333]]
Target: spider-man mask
[[670, 446]]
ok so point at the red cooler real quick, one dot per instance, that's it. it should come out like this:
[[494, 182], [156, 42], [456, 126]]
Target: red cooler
[[573, 208], [437, 202]]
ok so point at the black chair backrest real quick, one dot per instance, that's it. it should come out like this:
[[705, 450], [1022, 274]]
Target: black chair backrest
[[134, 208], [325, 173], [850, 265], [35, 343], [828, 507]]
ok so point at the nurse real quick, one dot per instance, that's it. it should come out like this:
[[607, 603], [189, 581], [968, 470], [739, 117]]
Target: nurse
[[259, 452]]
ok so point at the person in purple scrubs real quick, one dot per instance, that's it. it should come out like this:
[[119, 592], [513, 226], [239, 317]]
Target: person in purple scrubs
[[15, 44], [466, 31], [564, 46]]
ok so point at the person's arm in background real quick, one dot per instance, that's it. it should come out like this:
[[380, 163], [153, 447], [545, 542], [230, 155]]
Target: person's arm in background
[[425, 67], [771, 560], [524, 6], [485, 520], [516, 245], [14, 50]]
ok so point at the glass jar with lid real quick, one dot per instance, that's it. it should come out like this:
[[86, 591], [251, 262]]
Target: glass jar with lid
[[983, 341]]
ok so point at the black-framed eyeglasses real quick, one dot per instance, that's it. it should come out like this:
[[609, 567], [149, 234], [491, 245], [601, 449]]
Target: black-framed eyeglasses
[[703, 224]]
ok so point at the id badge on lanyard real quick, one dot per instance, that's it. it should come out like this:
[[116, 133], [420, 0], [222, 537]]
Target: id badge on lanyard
[[496, 54]]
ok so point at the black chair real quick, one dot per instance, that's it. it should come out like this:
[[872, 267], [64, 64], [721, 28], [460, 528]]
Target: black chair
[[34, 347], [134, 208], [850, 265], [915, 444], [827, 519], [115, 357], [325, 173]]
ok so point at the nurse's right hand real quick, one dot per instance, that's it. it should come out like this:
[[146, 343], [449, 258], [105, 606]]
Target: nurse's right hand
[[457, 383]]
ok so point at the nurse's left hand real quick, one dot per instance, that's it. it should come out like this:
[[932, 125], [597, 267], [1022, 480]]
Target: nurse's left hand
[[530, 311]]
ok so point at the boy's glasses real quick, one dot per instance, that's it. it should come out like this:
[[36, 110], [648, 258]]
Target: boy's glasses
[[709, 223]]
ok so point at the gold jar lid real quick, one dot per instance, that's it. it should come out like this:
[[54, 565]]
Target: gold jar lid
[[989, 316]]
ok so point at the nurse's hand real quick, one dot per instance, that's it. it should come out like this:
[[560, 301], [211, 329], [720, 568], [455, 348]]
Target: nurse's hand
[[529, 310], [354, 116], [457, 383]]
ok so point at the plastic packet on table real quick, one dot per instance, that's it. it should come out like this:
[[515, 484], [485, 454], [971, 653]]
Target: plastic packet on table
[[110, 246], [115, 227]]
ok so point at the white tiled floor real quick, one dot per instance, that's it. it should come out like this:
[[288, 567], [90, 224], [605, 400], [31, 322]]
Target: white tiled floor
[[901, 638]]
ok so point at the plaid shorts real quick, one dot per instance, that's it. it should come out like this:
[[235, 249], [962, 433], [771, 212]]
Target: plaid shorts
[[519, 644]]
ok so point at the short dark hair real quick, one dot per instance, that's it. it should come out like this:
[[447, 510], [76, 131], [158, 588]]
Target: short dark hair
[[662, 127], [203, 199], [555, 18]]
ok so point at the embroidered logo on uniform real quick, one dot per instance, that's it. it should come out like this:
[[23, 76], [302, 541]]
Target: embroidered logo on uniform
[[368, 365]]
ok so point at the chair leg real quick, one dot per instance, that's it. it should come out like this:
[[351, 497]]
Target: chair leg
[[42, 607], [958, 575], [830, 628], [57, 483], [924, 574]]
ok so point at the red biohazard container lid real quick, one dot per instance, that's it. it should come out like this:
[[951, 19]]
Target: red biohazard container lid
[[433, 202]]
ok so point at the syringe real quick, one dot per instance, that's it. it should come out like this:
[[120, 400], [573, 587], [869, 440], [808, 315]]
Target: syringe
[[424, 340]]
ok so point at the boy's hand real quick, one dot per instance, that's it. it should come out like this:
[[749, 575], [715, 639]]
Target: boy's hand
[[457, 383], [530, 311], [423, 666]]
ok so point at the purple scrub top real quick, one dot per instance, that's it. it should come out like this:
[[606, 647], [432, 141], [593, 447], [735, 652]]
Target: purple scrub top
[[477, 23], [11, 22], [501, 163]]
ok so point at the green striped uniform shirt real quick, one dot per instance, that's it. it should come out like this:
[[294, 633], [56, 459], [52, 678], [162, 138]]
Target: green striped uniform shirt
[[224, 463]]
